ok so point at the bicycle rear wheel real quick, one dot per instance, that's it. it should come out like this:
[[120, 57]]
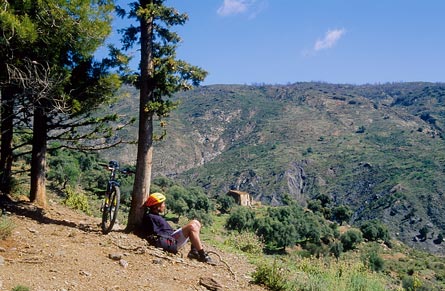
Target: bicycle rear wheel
[[109, 213]]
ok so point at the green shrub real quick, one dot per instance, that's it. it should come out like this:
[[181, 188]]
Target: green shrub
[[374, 230], [411, 283], [374, 261], [324, 275], [341, 213], [204, 217], [336, 248], [6, 227], [76, 200], [241, 219], [351, 238], [247, 242], [272, 276], [225, 203], [20, 288], [187, 201]]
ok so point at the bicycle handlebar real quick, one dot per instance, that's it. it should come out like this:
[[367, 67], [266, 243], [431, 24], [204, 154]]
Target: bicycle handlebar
[[114, 165], [127, 171]]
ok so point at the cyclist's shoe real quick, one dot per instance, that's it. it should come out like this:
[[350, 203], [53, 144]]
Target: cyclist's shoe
[[205, 258], [193, 254], [200, 256]]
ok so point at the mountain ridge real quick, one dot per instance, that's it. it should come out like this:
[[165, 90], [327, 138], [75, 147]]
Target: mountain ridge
[[376, 148]]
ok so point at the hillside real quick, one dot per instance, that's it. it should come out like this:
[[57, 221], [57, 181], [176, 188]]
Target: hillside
[[378, 149], [61, 249]]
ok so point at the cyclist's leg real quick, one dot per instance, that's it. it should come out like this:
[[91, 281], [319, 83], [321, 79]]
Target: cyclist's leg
[[192, 230]]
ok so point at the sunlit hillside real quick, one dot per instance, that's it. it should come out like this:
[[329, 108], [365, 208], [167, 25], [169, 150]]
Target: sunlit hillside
[[378, 149]]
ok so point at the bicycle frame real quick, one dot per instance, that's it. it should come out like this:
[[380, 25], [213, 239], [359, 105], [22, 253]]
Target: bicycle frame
[[111, 202], [110, 205], [112, 180]]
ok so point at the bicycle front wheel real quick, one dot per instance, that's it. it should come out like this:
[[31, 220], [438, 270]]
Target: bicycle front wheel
[[110, 210]]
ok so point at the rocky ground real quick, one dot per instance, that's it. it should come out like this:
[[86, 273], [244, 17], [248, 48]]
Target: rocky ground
[[59, 249]]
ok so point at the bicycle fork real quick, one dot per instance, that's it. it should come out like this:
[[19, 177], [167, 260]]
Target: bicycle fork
[[106, 202]]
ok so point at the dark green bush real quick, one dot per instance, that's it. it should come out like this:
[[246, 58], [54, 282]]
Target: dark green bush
[[351, 238], [336, 249], [375, 262], [374, 230], [241, 219], [225, 203], [341, 213]]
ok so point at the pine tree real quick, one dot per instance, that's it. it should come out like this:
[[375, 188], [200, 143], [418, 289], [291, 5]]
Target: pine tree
[[51, 67], [161, 75]]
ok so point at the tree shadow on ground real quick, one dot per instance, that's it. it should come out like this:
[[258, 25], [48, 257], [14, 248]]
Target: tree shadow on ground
[[29, 210]]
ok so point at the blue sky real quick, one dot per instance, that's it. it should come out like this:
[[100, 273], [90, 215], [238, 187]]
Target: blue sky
[[334, 41]]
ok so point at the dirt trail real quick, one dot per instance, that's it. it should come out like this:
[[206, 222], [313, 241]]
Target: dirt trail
[[62, 250]]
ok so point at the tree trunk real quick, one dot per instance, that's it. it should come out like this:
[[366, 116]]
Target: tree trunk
[[6, 125], [38, 160], [141, 187]]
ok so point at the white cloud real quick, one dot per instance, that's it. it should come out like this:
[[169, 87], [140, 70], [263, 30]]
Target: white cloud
[[232, 7], [330, 39]]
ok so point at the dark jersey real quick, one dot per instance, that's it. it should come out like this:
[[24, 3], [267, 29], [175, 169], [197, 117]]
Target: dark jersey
[[157, 225]]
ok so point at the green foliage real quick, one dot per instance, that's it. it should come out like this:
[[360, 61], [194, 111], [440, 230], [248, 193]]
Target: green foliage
[[200, 214], [319, 275], [54, 81], [273, 276], [361, 270], [374, 230], [374, 261], [341, 213], [179, 199], [199, 199], [241, 219], [81, 170], [163, 183], [412, 283], [177, 195], [67, 46], [6, 227], [169, 75], [284, 226], [191, 202], [321, 204], [246, 241], [76, 200], [225, 203], [65, 169], [290, 225], [315, 206], [20, 288], [351, 238], [336, 248], [424, 232]]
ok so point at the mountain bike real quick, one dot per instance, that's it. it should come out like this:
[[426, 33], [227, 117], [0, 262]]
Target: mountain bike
[[111, 202]]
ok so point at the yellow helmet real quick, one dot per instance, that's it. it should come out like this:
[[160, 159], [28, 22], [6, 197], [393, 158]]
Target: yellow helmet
[[155, 198]]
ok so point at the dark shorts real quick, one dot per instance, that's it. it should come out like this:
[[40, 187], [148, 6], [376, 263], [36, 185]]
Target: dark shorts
[[173, 243]]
